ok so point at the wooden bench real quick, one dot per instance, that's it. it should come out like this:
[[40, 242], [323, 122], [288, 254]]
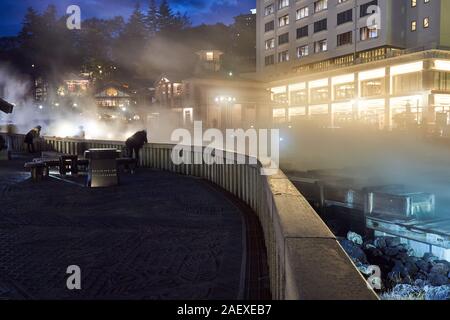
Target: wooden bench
[[38, 170]]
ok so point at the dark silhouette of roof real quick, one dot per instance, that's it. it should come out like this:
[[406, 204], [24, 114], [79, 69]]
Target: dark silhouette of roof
[[6, 106]]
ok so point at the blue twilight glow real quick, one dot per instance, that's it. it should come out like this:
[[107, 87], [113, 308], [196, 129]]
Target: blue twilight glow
[[200, 11]]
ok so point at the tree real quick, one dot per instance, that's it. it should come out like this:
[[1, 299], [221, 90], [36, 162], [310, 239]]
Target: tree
[[165, 17], [29, 25], [152, 18], [136, 29], [170, 23]]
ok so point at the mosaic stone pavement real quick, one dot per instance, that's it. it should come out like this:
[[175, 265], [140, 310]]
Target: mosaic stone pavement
[[157, 236]]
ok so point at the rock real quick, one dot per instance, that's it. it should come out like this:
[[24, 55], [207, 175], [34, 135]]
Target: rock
[[380, 243], [403, 256], [393, 241], [421, 283], [353, 251], [423, 265], [391, 251], [422, 276], [363, 268], [429, 257], [412, 268], [369, 246], [437, 293], [440, 268], [403, 247], [400, 269], [411, 252], [355, 238], [437, 279], [374, 252]]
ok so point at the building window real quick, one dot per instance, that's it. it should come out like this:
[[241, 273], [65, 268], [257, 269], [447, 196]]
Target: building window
[[320, 5], [345, 17], [344, 38], [367, 33], [426, 22], [320, 46], [210, 56], [406, 83], [269, 26], [302, 13], [283, 21], [283, 4], [302, 51], [284, 38], [364, 9], [442, 81], [270, 9], [269, 60], [320, 95], [344, 91], [413, 3], [299, 97], [283, 56], [413, 25], [320, 25], [373, 87], [270, 44], [302, 32]]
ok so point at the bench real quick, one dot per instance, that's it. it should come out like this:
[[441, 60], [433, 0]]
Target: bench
[[127, 164], [68, 163], [38, 170]]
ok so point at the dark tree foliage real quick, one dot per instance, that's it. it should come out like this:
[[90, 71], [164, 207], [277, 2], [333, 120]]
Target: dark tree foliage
[[152, 18], [144, 46]]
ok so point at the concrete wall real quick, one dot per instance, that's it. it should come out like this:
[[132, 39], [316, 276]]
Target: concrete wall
[[305, 260]]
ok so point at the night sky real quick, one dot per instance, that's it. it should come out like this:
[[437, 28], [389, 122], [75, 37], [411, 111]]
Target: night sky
[[200, 11]]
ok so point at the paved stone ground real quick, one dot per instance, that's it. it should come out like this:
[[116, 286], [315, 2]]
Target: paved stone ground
[[157, 236]]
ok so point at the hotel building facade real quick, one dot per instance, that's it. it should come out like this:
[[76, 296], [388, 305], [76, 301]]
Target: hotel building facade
[[384, 63]]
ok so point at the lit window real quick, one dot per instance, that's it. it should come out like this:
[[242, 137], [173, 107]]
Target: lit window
[[413, 25], [426, 22]]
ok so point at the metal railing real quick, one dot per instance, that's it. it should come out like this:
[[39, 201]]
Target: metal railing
[[305, 259]]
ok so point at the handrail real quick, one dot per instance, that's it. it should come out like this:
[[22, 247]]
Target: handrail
[[305, 259]]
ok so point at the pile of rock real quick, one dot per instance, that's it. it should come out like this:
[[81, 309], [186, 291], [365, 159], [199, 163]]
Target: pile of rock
[[402, 274]]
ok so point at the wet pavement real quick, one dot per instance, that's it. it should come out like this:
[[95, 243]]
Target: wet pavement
[[156, 236]]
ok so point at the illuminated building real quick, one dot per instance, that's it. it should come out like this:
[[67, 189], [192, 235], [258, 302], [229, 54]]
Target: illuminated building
[[214, 96], [115, 102], [74, 86], [384, 63]]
